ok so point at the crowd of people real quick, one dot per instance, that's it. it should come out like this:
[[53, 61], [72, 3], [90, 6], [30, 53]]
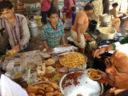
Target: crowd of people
[[16, 27]]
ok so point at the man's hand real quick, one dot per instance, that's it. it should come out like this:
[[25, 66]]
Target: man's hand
[[104, 78], [116, 91], [49, 49], [66, 45], [98, 52], [78, 40], [13, 51], [10, 66]]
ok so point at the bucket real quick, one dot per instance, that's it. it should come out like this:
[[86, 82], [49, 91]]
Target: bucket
[[92, 25]]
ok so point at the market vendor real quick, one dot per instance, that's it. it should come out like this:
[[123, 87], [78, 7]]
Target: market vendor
[[117, 72], [113, 46], [53, 31], [78, 31], [15, 26], [115, 20]]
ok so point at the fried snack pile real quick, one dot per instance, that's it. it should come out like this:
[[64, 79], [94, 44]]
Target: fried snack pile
[[73, 76], [11, 52], [93, 74], [45, 89], [72, 60]]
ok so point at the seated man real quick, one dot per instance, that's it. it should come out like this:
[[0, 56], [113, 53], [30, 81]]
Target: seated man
[[115, 19], [117, 72], [53, 31], [80, 27], [15, 26]]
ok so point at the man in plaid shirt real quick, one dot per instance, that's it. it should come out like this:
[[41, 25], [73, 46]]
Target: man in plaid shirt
[[15, 26], [53, 31]]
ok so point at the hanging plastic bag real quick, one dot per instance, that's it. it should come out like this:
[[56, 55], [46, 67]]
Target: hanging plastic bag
[[10, 88]]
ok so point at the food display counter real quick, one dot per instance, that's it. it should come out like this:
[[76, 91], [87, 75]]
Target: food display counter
[[42, 73]]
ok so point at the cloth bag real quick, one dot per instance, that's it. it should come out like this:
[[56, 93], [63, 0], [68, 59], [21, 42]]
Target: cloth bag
[[10, 88]]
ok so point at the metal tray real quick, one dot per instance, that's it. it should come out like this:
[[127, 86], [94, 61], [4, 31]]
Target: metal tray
[[86, 87], [79, 68]]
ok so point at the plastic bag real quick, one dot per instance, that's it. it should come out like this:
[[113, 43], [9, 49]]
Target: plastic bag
[[10, 88]]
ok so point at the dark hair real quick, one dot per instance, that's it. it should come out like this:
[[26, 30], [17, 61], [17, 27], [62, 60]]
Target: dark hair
[[89, 6], [52, 10], [73, 8], [114, 5], [5, 5]]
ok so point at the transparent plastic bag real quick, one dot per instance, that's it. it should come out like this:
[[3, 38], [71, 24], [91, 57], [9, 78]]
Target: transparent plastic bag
[[10, 88]]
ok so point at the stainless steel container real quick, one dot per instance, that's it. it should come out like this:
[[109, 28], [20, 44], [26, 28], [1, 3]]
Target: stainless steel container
[[33, 28], [105, 20]]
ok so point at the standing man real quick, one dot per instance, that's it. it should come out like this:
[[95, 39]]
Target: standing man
[[80, 26], [53, 31], [98, 9], [15, 26], [115, 20], [45, 6], [68, 4]]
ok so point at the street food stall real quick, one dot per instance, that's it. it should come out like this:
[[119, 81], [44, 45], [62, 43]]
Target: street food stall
[[53, 74], [64, 71]]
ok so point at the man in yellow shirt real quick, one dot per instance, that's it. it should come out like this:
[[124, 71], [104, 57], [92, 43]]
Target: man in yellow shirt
[[98, 9], [80, 26]]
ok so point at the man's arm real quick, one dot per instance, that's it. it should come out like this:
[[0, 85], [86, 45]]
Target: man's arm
[[62, 30], [46, 46], [63, 41], [44, 38], [78, 32], [1, 23], [98, 52], [26, 33], [80, 23], [113, 46]]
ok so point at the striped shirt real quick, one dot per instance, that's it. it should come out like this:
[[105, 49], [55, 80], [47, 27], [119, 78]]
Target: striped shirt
[[51, 35], [18, 34]]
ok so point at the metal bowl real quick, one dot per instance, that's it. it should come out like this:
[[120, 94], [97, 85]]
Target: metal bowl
[[78, 68], [86, 86]]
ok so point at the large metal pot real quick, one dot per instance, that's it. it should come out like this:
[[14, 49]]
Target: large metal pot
[[105, 20], [107, 33]]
